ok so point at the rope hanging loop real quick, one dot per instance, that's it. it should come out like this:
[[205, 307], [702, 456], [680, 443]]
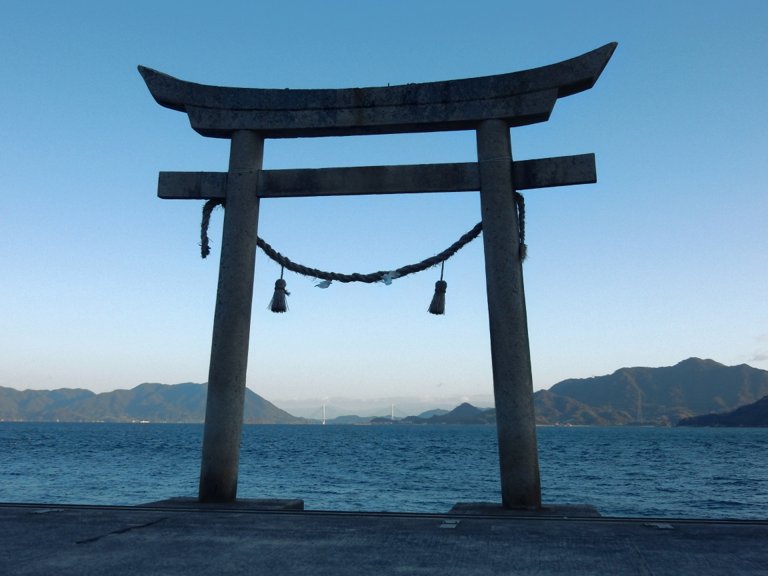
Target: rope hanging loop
[[208, 207], [522, 247], [437, 306]]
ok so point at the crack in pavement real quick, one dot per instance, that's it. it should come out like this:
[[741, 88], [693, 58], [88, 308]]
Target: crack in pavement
[[121, 531]]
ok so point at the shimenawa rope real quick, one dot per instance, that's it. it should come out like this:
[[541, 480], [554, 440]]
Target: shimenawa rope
[[278, 303]]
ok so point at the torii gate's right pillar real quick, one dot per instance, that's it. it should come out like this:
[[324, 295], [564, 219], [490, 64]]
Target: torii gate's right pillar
[[510, 350]]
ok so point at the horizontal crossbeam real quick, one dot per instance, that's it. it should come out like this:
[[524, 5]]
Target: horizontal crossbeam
[[416, 178]]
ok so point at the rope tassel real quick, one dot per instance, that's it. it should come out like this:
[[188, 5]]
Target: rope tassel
[[437, 306], [278, 302]]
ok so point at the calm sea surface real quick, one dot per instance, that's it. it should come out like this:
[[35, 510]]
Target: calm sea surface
[[653, 472]]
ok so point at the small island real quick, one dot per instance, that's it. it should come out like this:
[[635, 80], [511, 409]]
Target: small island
[[753, 415]]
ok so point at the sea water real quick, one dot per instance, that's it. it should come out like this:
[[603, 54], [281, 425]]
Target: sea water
[[623, 471]]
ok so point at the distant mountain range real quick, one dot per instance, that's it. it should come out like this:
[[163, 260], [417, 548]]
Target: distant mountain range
[[146, 402], [652, 395], [463, 414], [660, 396], [640, 396]]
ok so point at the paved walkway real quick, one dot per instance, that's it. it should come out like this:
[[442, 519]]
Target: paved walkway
[[179, 540]]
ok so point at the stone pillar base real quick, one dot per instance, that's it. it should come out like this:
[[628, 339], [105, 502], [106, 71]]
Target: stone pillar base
[[244, 504], [548, 510]]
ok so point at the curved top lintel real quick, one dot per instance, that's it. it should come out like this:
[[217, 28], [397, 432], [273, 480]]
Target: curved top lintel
[[519, 98]]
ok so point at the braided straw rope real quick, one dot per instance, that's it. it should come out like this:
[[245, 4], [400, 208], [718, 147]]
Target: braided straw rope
[[380, 276]]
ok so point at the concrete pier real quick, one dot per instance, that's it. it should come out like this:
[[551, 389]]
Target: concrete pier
[[169, 541]]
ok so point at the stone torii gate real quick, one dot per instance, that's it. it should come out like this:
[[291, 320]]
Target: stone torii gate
[[489, 105]]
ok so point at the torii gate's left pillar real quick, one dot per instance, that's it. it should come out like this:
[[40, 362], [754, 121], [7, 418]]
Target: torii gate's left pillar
[[232, 322]]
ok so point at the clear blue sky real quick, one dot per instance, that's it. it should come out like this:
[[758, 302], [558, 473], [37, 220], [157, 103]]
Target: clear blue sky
[[664, 258]]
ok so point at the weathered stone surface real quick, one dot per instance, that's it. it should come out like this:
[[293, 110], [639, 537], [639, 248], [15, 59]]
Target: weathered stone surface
[[507, 321], [419, 178], [231, 324], [519, 98]]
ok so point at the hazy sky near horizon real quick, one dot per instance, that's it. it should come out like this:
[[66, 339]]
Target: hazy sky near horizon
[[664, 258]]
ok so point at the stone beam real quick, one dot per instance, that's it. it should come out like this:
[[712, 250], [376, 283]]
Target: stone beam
[[419, 178], [517, 98]]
